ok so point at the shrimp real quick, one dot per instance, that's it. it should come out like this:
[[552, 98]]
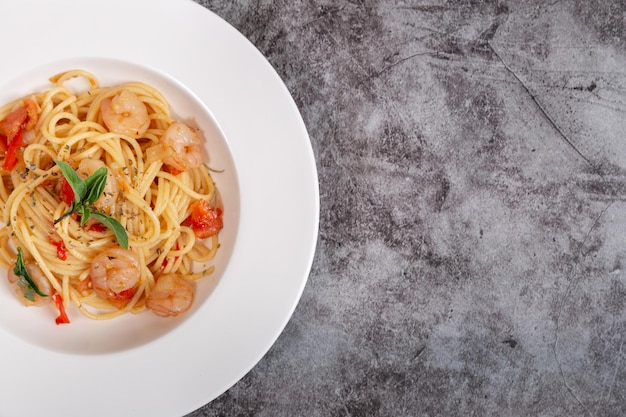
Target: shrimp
[[38, 278], [183, 145], [171, 295], [125, 114], [105, 203], [115, 274]]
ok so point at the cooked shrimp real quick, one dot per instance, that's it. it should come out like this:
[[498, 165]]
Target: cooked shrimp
[[125, 114], [171, 295], [105, 203], [184, 145], [38, 278], [115, 274]]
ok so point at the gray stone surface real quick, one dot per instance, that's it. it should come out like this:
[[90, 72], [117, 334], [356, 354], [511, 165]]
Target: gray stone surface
[[472, 167]]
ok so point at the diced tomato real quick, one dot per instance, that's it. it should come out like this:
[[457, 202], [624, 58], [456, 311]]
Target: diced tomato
[[66, 194], [61, 250], [3, 145], [14, 145], [62, 319], [97, 227], [12, 128], [120, 299], [174, 171], [32, 111], [204, 219], [13, 122]]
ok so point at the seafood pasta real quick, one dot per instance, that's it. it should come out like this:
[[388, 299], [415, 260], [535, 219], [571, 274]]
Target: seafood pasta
[[106, 200]]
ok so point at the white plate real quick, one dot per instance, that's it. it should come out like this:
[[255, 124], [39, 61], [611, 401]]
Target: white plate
[[138, 365]]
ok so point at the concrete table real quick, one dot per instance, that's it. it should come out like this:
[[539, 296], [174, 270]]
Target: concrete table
[[472, 249]]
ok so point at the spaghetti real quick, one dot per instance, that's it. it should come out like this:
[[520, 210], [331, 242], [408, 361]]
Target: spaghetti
[[133, 246]]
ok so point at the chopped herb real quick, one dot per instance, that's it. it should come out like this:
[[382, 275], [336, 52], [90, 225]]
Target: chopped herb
[[24, 281]]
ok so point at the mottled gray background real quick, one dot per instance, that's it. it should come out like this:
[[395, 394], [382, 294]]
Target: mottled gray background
[[472, 165]]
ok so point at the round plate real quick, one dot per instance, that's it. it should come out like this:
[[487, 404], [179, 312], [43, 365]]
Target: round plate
[[140, 365]]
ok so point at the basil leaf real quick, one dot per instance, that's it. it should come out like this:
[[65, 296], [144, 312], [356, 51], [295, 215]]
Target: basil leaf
[[95, 184], [86, 193], [115, 226], [24, 281], [76, 182], [84, 212]]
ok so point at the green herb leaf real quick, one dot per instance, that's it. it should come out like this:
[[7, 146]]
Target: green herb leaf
[[24, 280], [95, 184], [76, 182], [86, 193], [114, 225], [84, 212]]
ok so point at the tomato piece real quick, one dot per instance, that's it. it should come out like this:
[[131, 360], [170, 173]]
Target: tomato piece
[[3, 145], [174, 171], [32, 114], [97, 227], [24, 117], [66, 194], [10, 125], [62, 319], [14, 145], [205, 220], [120, 299]]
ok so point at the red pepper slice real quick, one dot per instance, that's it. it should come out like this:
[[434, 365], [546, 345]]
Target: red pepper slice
[[61, 250], [16, 143], [3, 145], [66, 194], [120, 299], [62, 319]]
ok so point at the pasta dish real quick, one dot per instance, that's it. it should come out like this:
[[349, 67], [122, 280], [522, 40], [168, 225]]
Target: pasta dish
[[107, 203]]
